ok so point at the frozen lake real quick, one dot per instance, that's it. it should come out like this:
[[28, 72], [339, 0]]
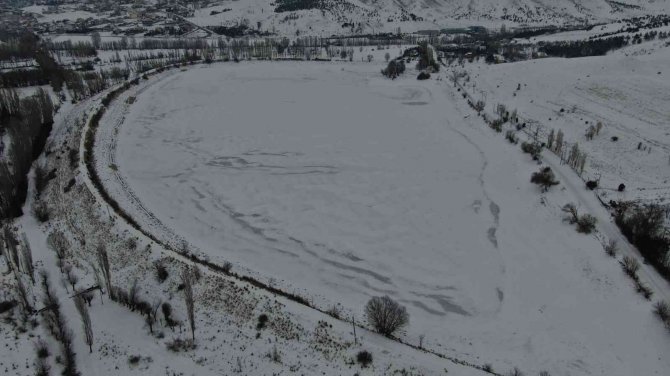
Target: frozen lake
[[341, 185]]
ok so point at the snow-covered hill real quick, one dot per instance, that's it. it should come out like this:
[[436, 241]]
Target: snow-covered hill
[[345, 16]]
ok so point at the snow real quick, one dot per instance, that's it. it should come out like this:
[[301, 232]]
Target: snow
[[60, 15], [627, 91], [339, 185]]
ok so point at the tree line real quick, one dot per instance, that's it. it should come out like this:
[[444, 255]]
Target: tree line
[[27, 123]]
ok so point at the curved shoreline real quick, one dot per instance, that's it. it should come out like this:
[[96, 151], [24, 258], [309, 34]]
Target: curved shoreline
[[87, 146]]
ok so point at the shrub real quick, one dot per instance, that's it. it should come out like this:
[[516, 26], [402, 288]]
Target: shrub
[[511, 137], [262, 320], [611, 248], [134, 359], [487, 368], [161, 272], [364, 358], [227, 267], [274, 355], [534, 149], [586, 224], [394, 69], [41, 211], [572, 214], [630, 265], [7, 305], [334, 311], [644, 290], [592, 184], [662, 310], [423, 76], [386, 315], [515, 372], [42, 349], [544, 178], [179, 344]]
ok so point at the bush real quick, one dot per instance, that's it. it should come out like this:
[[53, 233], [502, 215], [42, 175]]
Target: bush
[[630, 265], [179, 344], [544, 178], [487, 368], [586, 224], [423, 76], [41, 211], [644, 290], [534, 149], [662, 310], [592, 184], [364, 358], [385, 315], [611, 248], [7, 305], [227, 267], [394, 69], [515, 372], [161, 272], [42, 349], [511, 137], [262, 320]]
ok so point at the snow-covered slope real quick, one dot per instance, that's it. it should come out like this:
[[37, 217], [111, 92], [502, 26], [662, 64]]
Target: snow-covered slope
[[336, 16]]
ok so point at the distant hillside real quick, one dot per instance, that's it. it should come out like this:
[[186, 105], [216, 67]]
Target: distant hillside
[[347, 16]]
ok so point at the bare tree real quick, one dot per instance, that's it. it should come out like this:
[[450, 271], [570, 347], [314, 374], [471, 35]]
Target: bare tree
[[27, 258], [82, 308], [386, 315], [72, 278], [186, 279], [22, 294], [59, 244], [103, 262], [96, 40], [11, 248], [152, 315]]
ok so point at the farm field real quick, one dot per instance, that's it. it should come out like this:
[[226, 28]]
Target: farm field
[[329, 181]]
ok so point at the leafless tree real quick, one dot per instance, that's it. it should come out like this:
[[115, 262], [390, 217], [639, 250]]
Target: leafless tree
[[103, 262], [186, 279], [27, 258], [152, 315], [82, 308], [72, 278], [59, 244], [11, 248], [24, 299], [386, 315], [572, 213]]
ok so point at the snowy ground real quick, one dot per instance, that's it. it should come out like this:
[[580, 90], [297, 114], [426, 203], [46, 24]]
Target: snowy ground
[[227, 339], [626, 90], [339, 185]]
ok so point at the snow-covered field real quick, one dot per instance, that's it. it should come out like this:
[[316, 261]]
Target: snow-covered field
[[337, 184], [627, 90]]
